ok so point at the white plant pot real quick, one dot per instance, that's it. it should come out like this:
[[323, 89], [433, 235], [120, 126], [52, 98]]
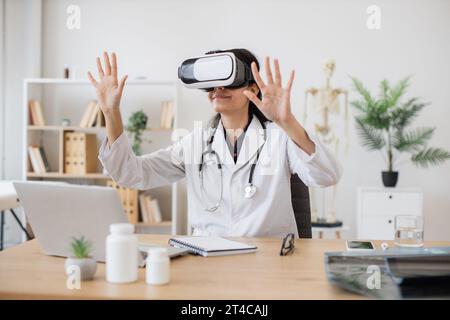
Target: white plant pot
[[88, 267]]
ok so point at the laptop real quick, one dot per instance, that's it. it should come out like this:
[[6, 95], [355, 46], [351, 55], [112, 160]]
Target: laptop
[[59, 211]]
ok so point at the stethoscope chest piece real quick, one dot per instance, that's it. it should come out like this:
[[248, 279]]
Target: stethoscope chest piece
[[249, 190]]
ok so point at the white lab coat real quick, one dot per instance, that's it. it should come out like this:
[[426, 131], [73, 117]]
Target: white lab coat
[[268, 213]]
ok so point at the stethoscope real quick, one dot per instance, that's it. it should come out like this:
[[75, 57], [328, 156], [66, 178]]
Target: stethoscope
[[212, 156]]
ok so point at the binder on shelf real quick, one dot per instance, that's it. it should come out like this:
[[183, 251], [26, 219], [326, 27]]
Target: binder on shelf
[[36, 113], [69, 153], [129, 200], [80, 153], [132, 205]]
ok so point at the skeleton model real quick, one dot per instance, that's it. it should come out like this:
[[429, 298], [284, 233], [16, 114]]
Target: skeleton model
[[326, 119]]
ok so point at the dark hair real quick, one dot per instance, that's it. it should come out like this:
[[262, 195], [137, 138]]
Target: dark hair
[[246, 57]]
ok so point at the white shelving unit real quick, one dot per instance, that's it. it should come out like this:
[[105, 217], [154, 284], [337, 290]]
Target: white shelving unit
[[75, 94]]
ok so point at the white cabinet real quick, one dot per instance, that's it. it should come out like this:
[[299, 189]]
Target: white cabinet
[[377, 208]]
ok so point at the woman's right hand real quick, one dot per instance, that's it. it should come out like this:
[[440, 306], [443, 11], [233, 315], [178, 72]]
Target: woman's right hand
[[109, 90]]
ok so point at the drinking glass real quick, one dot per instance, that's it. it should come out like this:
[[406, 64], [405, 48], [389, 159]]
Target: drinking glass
[[408, 231]]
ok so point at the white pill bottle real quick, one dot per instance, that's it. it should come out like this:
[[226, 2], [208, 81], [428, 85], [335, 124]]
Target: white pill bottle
[[157, 267], [121, 254]]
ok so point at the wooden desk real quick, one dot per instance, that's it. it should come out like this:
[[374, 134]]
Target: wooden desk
[[25, 272]]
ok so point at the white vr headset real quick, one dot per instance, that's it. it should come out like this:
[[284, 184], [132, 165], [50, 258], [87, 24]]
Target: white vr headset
[[215, 70]]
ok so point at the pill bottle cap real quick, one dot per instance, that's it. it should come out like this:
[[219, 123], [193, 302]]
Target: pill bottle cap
[[121, 228]]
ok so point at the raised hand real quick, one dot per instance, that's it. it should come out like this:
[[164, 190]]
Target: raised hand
[[276, 101], [109, 89], [276, 104], [109, 92]]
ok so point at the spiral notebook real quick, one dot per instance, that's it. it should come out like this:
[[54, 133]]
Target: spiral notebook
[[211, 246]]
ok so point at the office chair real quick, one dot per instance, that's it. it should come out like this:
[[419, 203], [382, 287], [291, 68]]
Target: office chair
[[301, 206]]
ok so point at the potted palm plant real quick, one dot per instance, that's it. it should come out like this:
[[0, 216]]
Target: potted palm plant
[[382, 124], [81, 258]]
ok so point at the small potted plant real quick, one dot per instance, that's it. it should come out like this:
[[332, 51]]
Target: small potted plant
[[136, 125], [382, 125], [81, 249]]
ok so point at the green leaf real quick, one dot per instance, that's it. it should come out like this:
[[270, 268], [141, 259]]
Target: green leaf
[[362, 90], [136, 125], [384, 86], [413, 140], [430, 156], [80, 247], [398, 91], [405, 114], [376, 116], [371, 138]]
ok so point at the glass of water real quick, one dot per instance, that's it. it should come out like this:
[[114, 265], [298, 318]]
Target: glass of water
[[408, 231]]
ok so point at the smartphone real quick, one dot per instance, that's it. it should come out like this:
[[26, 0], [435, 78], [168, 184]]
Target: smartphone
[[353, 245]]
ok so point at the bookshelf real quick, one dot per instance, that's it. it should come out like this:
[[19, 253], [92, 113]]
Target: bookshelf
[[67, 99]]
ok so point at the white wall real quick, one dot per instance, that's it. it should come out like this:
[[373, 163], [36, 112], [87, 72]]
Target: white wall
[[152, 37], [2, 83]]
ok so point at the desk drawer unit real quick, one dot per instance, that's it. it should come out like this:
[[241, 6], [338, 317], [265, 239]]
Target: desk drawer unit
[[377, 208]]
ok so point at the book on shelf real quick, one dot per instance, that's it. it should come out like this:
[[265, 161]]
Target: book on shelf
[[150, 210], [166, 115], [38, 159], [100, 120], [44, 159], [143, 208], [92, 116], [36, 114], [155, 211], [34, 161]]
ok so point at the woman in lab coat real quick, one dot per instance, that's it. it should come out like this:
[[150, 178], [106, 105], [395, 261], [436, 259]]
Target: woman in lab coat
[[218, 201]]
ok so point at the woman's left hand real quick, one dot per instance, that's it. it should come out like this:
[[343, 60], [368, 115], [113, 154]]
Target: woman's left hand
[[276, 104], [276, 101]]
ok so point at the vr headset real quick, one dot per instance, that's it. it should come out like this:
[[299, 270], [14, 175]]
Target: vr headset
[[215, 70]]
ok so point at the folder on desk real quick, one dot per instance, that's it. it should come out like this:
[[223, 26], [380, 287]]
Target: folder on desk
[[211, 246]]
